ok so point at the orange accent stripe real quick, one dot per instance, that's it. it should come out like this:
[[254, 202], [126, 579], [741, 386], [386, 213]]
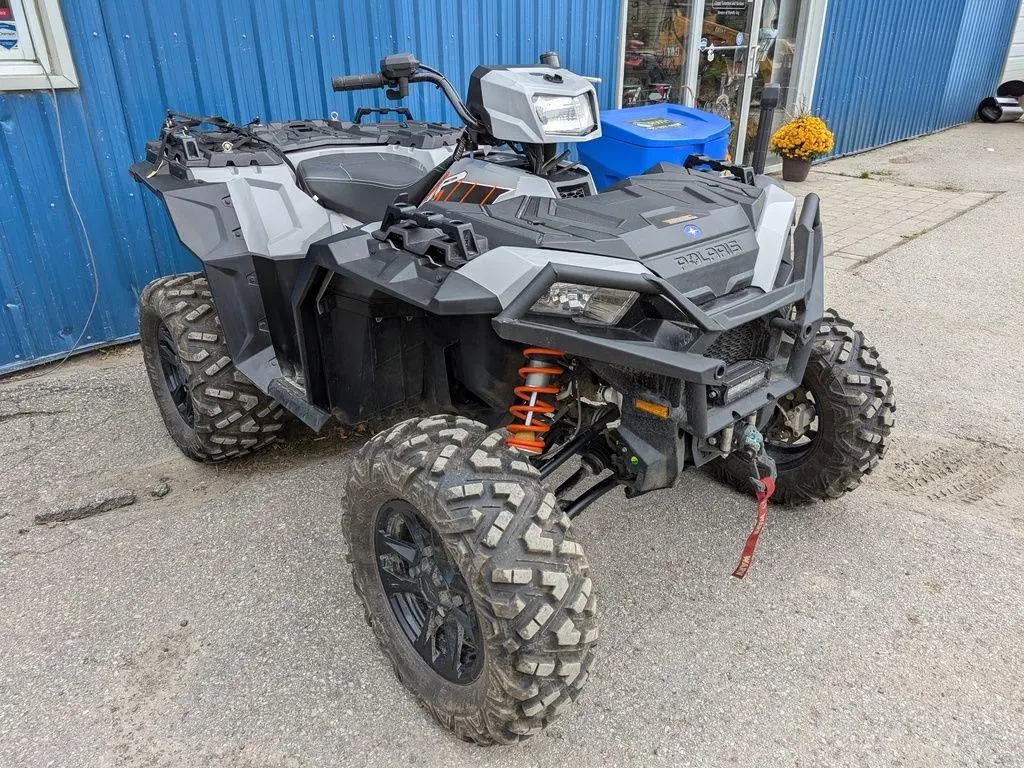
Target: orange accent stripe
[[436, 188], [451, 191], [471, 188]]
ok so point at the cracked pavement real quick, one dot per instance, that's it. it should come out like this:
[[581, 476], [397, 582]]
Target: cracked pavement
[[217, 626]]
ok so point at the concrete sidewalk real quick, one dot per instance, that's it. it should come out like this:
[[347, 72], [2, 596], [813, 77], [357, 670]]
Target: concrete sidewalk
[[864, 218], [217, 625], [874, 202]]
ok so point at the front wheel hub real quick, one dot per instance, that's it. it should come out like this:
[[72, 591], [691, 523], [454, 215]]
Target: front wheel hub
[[175, 376], [793, 430], [428, 596]]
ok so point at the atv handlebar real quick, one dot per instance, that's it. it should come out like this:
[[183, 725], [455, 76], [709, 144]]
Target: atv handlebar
[[358, 82], [396, 73]]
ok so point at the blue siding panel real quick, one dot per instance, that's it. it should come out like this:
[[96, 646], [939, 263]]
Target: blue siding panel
[[893, 70], [266, 58]]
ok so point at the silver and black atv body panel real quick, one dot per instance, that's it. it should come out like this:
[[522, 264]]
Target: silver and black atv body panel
[[238, 207], [497, 176], [431, 307]]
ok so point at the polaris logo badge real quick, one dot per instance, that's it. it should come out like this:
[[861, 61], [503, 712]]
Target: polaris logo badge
[[709, 254], [692, 231]]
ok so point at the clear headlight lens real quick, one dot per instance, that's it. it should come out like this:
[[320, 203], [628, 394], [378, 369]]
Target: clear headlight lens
[[585, 304], [565, 115]]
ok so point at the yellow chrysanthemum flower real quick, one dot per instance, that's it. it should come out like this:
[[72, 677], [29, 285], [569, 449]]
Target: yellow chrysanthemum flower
[[804, 138]]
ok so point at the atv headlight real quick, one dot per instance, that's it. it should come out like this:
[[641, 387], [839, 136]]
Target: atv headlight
[[565, 115], [585, 304]]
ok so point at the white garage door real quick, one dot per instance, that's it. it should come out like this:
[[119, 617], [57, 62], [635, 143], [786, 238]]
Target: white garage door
[[1015, 58]]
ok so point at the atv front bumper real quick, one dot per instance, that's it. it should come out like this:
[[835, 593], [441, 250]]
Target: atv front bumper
[[716, 393]]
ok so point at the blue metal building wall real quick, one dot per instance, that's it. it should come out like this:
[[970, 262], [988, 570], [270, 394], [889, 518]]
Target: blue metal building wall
[[237, 58], [894, 69]]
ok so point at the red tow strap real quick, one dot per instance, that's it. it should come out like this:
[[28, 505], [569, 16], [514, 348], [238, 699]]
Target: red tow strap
[[762, 514]]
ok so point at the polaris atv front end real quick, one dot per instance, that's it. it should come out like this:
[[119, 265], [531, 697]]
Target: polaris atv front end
[[708, 311]]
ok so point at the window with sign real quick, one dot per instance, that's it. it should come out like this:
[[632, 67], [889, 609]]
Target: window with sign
[[34, 51]]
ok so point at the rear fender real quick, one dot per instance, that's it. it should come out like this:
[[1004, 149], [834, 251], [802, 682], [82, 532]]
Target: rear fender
[[207, 225]]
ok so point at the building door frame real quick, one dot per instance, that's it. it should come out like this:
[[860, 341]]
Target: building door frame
[[753, 43], [693, 53]]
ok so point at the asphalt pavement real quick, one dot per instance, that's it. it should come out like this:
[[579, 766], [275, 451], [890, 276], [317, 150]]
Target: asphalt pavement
[[217, 625]]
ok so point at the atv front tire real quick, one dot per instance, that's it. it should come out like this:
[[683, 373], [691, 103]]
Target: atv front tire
[[211, 410], [471, 580], [854, 404]]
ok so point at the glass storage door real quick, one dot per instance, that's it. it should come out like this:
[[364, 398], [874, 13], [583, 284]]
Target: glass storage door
[[723, 65], [783, 23], [654, 65]]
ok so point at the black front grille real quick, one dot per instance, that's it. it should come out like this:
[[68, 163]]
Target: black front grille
[[574, 190], [745, 342]]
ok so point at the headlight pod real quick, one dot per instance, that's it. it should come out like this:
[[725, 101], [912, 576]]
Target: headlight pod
[[565, 115], [585, 304]]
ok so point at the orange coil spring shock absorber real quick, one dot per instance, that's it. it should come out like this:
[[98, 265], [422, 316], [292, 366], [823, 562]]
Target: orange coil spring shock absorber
[[531, 416]]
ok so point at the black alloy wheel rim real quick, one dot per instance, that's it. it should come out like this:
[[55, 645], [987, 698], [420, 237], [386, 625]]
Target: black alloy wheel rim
[[427, 594], [175, 376], [788, 448]]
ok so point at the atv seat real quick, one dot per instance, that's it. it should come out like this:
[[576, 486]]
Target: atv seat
[[360, 184]]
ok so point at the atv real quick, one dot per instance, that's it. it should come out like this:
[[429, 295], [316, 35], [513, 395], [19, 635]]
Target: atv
[[556, 342]]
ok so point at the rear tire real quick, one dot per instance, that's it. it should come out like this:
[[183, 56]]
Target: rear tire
[[211, 410], [855, 407], [524, 575]]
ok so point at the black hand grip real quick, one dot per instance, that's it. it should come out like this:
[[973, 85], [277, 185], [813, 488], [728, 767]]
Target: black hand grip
[[358, 82]]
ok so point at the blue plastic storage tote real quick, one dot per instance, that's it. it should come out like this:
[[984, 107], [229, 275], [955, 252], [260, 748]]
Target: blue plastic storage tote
[[634, 139]]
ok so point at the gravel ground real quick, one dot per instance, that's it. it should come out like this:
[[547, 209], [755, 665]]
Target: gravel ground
[[217, 625]]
